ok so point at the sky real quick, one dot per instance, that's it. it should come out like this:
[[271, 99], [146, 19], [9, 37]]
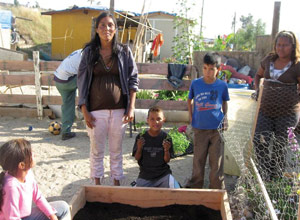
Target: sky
[[217, 14]]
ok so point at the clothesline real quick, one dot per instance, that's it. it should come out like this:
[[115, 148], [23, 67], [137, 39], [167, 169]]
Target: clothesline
[[140, 23]]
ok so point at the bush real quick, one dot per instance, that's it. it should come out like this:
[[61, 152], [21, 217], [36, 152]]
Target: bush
[[144, 94]]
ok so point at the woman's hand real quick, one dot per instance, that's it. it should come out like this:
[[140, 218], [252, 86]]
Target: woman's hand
[[88, 117], [89, 120], [129, 116], [53, 217]]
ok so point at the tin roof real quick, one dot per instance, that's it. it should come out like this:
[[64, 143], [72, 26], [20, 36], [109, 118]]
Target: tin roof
[[102, 8], [96, 8]]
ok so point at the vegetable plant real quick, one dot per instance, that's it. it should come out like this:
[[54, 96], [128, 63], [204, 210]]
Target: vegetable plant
[[180, 141]]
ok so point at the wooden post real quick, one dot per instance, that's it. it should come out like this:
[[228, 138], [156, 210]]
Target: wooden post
[[38, 90], [145, 45], [261, 89], [93, 28], [129, 35], [139, 34], [112, 7], [124, 27], [276, 18], [248, 155]]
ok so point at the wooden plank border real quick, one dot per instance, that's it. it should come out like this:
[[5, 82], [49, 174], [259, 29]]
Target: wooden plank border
[[164, 104], [146, 197], [28, 66], [39, 79], [23, 112]]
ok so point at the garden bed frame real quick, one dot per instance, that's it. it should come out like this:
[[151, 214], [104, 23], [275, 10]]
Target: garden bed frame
[[152, 197]]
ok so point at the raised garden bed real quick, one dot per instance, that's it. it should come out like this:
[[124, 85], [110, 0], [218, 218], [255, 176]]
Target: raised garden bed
[[189, 199]]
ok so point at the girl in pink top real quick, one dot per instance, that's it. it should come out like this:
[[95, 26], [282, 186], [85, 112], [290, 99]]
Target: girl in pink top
[[18, 187]]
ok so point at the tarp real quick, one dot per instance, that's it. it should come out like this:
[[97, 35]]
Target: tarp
[[5, 19]]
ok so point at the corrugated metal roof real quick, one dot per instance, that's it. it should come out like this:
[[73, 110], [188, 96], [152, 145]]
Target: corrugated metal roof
[[102, 8], [163, 12], [97, 8]]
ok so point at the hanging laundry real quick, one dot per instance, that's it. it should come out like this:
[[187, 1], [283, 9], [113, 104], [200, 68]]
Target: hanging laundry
[[157, 43]]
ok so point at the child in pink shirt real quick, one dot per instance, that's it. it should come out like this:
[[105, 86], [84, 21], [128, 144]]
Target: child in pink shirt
[[18, 187]]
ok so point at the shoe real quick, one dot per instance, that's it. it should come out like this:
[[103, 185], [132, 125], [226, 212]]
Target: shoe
[[67, 136]]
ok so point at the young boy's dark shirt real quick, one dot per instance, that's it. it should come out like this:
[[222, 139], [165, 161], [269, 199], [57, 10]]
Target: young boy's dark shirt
[[152, 163]]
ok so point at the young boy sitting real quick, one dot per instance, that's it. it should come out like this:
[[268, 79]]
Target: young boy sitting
[[209, 95], [153, 151]]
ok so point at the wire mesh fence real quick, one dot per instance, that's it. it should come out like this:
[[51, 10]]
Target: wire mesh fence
[[265, 146]]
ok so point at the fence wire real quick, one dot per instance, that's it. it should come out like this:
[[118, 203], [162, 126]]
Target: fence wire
[[275, 151]]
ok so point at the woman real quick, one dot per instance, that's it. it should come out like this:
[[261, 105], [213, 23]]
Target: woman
[[107, 84], [279, 103]]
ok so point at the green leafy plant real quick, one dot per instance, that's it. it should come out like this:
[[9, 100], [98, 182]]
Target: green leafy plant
[[171, 95], [222, 42], [245, 37], [140, 126], [180, 141], [144, 94], [184, 39], [169, 60], [284, 201]]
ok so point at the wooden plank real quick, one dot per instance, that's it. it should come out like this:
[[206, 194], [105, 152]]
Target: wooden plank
[[264, 191], [164, 104], [31, 99], [162, 84], [150, 68], [16, 65], [77, 202], [54, 100], [26, 79], [250, 143], [23, 112], [22, 80], [20, 99], [47, 80], [225, 208], [27, 66], [158, 68], [49, 65], [152, 197]]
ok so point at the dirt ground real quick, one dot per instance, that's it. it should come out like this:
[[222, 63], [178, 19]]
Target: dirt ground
[[63, 166]]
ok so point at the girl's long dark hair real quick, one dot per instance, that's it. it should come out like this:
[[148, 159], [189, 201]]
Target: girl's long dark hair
[[295, 56], [11, 154], [95, 43]]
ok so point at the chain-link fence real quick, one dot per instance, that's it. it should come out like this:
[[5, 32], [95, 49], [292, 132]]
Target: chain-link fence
[[265, 147]]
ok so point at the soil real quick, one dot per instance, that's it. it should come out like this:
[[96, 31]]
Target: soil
[[110, 211]]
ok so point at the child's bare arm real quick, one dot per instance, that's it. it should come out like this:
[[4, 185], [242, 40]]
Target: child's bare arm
[[166, 146], [189, 105], [140, 143], [224, 109]]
